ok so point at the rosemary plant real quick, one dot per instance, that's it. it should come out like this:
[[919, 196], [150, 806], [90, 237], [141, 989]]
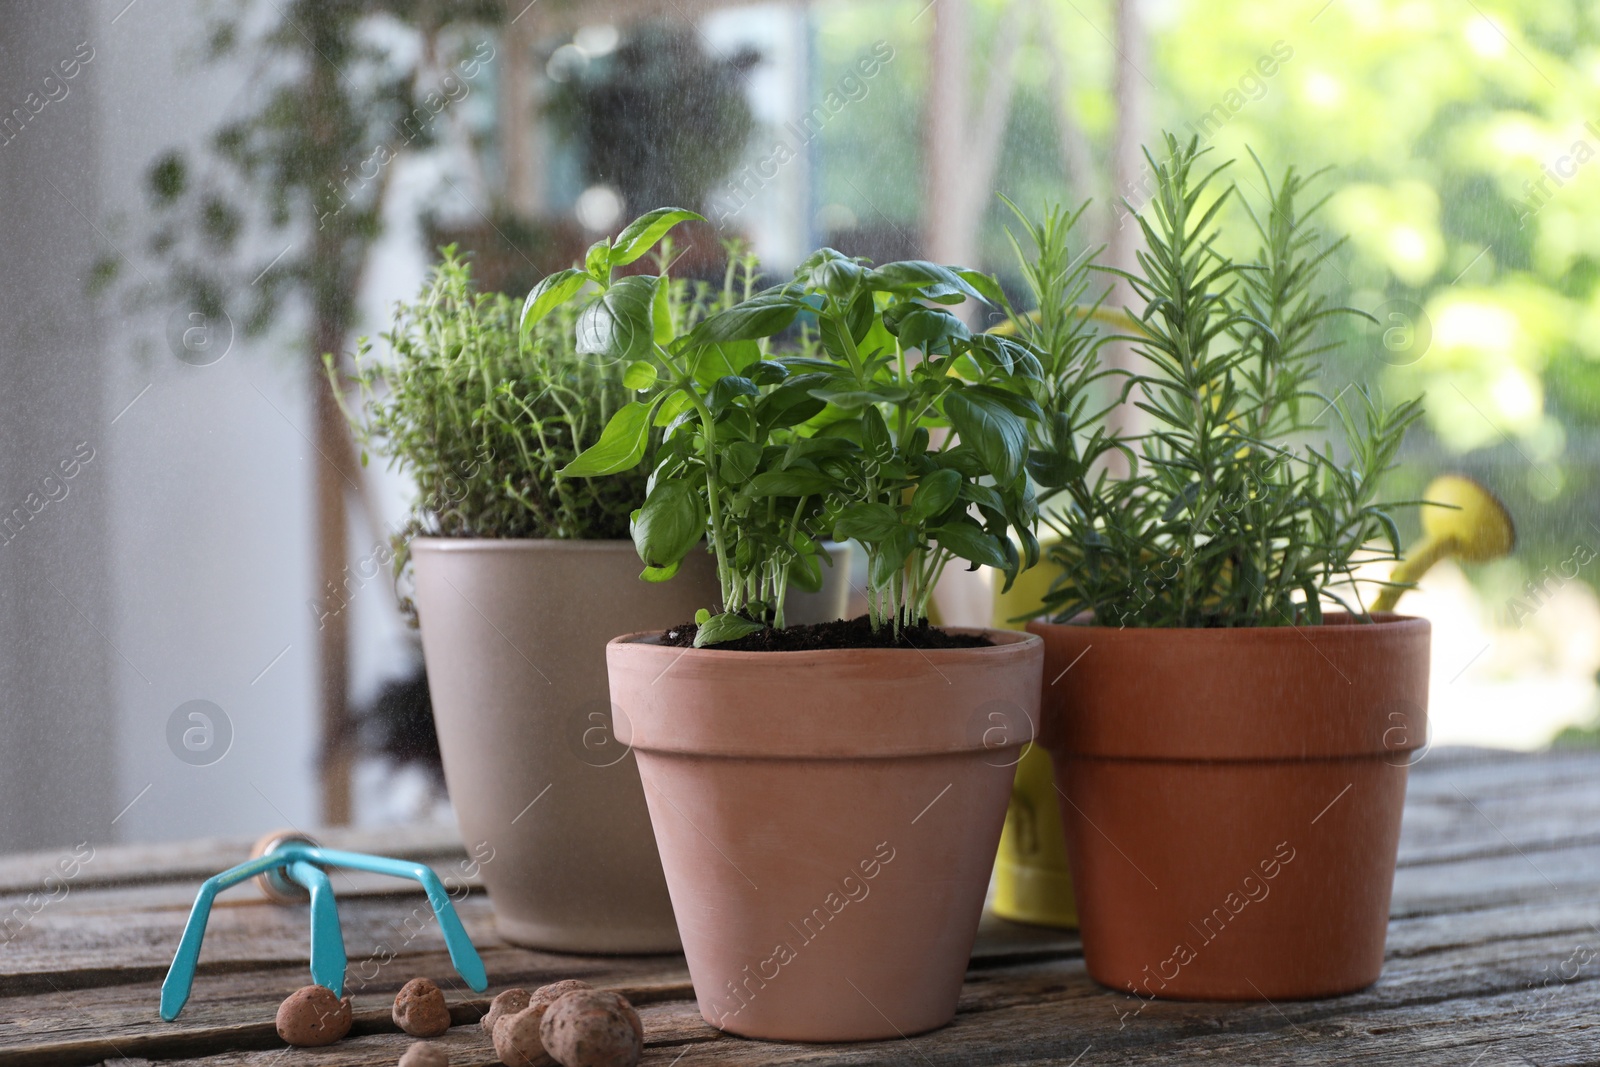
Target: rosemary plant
[[1228, 513]]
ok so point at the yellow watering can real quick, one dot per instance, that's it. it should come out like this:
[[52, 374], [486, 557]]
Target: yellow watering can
[[1473, 526], [1032, 881]]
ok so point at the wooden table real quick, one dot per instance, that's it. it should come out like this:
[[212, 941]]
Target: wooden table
[[1493, 955]]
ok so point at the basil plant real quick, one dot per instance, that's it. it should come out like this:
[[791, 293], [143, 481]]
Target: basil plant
[[848, 403]]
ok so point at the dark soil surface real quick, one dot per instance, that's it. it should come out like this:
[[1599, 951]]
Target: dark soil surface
[[842, 633]]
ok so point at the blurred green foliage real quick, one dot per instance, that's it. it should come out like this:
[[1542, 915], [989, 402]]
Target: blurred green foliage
[[1465, 142]]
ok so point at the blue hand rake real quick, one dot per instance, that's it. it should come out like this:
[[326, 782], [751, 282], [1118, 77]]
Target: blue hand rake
[[291, 867]]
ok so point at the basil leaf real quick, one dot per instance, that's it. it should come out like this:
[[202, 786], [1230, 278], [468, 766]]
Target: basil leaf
[[999, 437], [969, 542], [934, 494], [618, 324], [640, 375], [739, 461], [795, 482], [728, 387], [621, 445], [641, 235], [713, 361], [749, 320], [670, 523], [867, 523], [552, 291], [725, 627], [660, 574], [920, 276], [851, 397]]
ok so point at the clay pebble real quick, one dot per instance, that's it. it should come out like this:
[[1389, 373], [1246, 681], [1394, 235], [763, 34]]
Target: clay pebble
[[592, 1028], [423, 1054], [420, 1010], [549, 994], [508, 1003], [516, 1037], [312, 1016]]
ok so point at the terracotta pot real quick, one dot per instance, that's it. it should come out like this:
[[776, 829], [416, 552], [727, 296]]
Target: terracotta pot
[[514, 635], [827, 821], [1232, 799]]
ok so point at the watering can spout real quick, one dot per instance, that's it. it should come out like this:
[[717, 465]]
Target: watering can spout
[[1461, 519]]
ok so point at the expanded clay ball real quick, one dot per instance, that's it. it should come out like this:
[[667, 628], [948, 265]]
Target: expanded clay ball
[[313, 1016], [508, 1003], [422, 1054], [549, 994], [516, 1038], [591, 1028], [420, 1010]]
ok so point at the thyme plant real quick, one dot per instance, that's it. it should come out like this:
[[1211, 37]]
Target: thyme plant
[[484, 415], [778, 437], [1229, 513]]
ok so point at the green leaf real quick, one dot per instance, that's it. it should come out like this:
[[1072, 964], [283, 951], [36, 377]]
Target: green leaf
[[713, 361], [765, 372], [926, 328], [787, 406], [969, 542], [867, 523], [640, 375], [641, 235], [552, 291], [999, 437], [920, 276], [621, 445], [760, 316], [739, 461], [728, 387], [717, 629], [934, 494], [617, 324], [986, 285], [660, 574], [851, 398], [598, 260], [674, 405], [670, 523], [890, 557], [875, 435], [795, 482]]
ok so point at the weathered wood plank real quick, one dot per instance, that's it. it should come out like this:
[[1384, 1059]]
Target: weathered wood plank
[[1431, 960], [1499, 884], [195, 861]]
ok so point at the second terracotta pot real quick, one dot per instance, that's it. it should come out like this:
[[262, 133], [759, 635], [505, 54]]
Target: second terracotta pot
[[827, 821], [1232, 799]]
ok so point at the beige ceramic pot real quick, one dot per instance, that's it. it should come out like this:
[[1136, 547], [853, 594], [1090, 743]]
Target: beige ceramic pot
[[827, 603], [827, 821], [1232, 799], [514, 635]]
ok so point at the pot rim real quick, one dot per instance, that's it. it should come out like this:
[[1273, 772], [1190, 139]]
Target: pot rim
[[1344, 689], [518, 544], [527, 544], [1003, 641], [1344, 624]]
